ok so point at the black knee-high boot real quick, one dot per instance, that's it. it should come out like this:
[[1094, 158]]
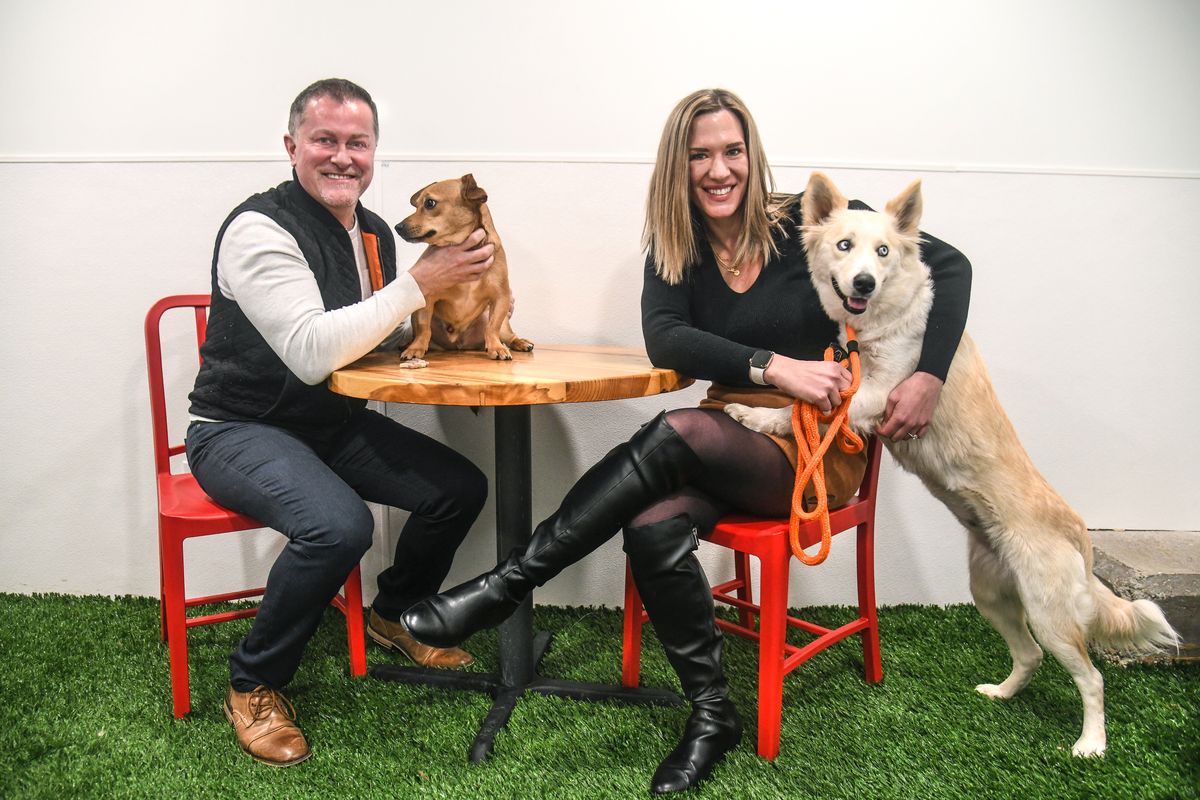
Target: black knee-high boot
[[655, 462], [679, 601]]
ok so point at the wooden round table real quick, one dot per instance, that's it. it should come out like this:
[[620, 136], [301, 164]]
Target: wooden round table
[[548, 374]]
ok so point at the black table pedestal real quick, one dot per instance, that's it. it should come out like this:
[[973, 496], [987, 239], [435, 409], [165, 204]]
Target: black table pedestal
[[520, 650]]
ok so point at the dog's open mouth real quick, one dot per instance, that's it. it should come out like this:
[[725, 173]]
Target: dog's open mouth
[[855, 305]]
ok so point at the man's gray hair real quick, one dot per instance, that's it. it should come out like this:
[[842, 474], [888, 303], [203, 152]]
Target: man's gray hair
[[338, 89]]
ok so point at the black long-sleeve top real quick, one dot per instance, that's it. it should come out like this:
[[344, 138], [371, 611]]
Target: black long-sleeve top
[[702, 328]]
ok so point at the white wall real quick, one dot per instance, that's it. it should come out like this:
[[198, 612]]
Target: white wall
[[1056, 141]]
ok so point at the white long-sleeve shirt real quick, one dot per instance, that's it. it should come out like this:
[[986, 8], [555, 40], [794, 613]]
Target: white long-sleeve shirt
[[261, 268]]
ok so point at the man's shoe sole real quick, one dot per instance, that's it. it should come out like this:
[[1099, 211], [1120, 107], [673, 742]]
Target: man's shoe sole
[[387, 644]]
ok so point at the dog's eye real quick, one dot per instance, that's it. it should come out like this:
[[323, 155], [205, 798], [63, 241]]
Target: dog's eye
[[882, 250], [844, 245], [430, 204]]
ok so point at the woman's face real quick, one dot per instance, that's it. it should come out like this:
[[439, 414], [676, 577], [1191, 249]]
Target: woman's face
[[717, 164]]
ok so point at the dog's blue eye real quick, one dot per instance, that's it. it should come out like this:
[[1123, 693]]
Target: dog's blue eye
[[844, 245], [430, 203], [882, 250]]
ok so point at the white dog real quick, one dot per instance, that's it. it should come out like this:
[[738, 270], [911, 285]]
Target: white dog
[[1030, 553]]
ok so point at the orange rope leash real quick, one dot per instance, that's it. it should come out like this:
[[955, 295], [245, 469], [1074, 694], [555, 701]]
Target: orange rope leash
[[812, 449]]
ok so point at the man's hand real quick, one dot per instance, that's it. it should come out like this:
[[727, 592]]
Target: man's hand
[[439, 268], [816, 382], [910, 407]]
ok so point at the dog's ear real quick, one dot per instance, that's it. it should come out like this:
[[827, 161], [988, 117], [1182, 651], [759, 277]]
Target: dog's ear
[[412, 201], [471, 191], [821, 198], [906, 208]]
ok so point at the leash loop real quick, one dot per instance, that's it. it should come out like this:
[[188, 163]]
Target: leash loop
[[812, 448]]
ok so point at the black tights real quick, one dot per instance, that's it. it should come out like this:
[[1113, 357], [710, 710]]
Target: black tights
[[742, 470]]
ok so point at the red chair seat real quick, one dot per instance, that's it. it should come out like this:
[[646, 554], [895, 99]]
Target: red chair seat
[[767, 539], [182, 499]]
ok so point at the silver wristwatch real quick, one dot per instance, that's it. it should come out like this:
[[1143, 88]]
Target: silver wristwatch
[[758, 366]]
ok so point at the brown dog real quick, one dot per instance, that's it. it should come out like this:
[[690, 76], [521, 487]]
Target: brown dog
[[447, 212]]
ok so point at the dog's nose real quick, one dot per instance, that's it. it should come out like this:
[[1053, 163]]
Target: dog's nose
[[864, 284]]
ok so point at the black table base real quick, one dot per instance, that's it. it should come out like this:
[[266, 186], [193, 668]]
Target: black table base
[[520, 650], [505, 694]]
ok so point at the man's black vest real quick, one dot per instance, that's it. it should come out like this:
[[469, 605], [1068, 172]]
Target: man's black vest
[[241, 377]]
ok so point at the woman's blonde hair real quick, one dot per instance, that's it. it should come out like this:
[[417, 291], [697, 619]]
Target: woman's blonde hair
[[669, 234]]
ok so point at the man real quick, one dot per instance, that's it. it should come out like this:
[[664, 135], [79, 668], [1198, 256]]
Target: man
[[304, 281]]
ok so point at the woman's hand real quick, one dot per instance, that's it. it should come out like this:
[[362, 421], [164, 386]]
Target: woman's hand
[[816, 382], [439, 268], [910, 407]]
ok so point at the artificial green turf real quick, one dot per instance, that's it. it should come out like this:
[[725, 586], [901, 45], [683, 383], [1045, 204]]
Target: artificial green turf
[[85, 712]]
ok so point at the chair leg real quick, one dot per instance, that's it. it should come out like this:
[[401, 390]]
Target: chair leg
[[745, 593], [772, 634], [162, 595], [631, 646], [175, 612], [354, 623], [872, 660]]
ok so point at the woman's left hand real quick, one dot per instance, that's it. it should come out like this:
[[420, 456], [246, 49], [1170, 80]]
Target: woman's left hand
[[910, 407]]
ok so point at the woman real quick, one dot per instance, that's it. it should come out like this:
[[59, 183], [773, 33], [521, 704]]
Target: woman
[[726, 297]]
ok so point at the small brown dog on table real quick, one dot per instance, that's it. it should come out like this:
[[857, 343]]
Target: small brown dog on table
[[446, 214]]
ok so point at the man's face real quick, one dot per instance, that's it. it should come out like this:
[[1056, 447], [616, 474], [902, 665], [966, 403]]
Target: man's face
[[333, 153]]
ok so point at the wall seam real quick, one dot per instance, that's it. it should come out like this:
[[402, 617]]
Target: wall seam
[[386, 159]]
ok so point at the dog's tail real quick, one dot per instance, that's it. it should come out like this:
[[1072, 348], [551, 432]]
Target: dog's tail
[[1137, 626]]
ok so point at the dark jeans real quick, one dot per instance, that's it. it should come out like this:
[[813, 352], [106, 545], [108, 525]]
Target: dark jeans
[[312, 490]]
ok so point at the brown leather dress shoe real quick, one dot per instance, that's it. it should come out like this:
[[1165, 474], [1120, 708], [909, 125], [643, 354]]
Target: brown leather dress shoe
[[265, 723], [394, 636]]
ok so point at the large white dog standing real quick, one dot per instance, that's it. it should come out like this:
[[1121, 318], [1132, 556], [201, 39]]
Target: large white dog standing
[[1030, 553]]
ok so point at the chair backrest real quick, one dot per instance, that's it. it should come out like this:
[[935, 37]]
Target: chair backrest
[[870, 480], [198, 304]]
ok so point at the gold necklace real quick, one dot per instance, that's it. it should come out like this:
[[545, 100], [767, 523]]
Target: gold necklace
[[734, 270]]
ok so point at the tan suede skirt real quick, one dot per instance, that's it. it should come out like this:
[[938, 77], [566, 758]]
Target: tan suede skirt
[[843, 471]]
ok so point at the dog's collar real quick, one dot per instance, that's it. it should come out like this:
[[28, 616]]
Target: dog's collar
[[840, 354]]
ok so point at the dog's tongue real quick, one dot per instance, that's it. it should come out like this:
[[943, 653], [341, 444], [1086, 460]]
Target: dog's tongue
[[857, 303]]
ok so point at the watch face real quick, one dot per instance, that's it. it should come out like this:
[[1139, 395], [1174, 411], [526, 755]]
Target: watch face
[[760, 359]]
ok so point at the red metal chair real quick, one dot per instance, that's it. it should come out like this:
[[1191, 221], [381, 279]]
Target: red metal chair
[[185, 511], [768, 540]]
